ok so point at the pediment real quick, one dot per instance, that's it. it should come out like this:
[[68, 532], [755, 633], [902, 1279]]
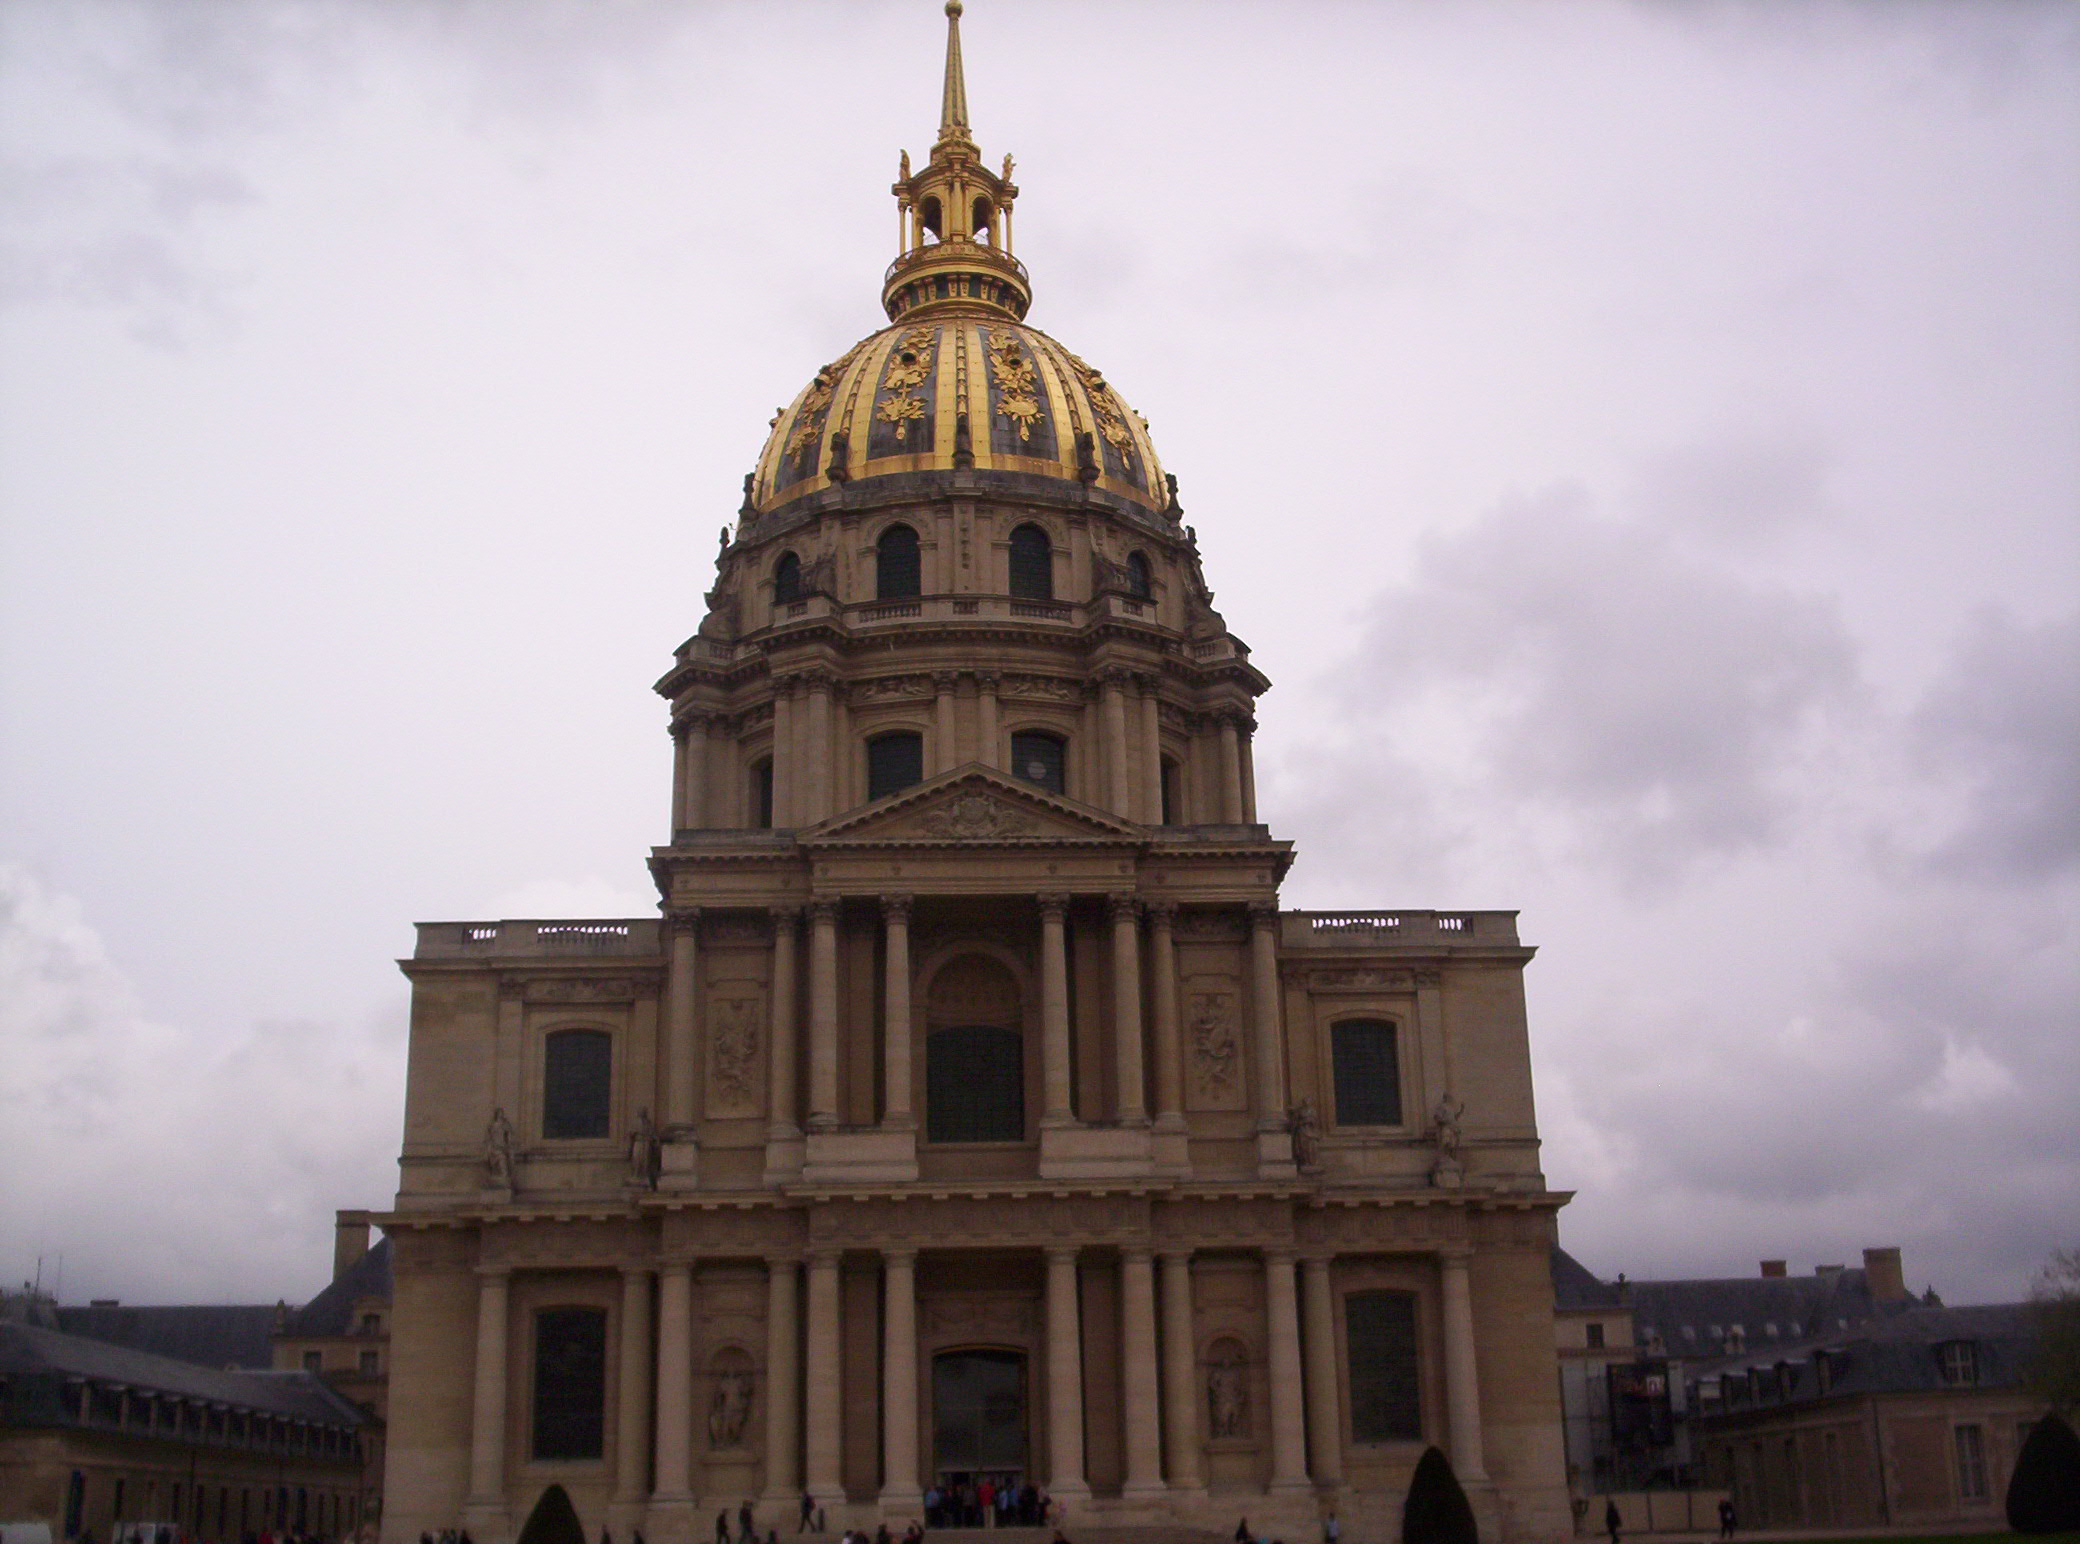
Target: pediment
[[972, 806]]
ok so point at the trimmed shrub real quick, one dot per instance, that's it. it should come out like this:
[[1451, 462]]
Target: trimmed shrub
[[1436, 1511], [553, 1521], [2044, 1492]]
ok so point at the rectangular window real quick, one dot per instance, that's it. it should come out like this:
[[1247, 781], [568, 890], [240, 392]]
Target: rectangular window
[[313, 1360], [570, 1383], [1039, 759], [1386, 1398], [894, 761], [577, 1084], [1971, 1463], [1367, 1073], [1960, 1364], [762, 796], [1595, 1334], [368, 1363]]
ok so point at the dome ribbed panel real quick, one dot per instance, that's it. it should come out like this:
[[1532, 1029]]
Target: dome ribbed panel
[[1016, 378]]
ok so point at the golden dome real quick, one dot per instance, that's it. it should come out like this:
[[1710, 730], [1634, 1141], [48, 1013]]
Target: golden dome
[[957, 391]]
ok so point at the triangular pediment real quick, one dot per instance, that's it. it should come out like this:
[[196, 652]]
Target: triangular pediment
[[971, 806]]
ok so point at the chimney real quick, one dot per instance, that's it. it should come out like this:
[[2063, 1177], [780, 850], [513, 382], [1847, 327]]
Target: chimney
[[1884, 1276], [1828, 1270], [1772, 1269], [350, 1240]]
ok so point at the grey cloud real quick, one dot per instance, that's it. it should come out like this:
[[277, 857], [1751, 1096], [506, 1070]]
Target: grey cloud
[[1741, 487], [2003, 722], [1663, 704]]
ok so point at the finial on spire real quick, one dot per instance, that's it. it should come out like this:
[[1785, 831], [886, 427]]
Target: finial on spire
[[953, 99]]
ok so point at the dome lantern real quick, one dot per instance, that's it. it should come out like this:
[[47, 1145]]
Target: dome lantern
[[954, 218]]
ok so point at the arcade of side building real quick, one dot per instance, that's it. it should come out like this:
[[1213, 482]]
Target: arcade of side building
[[972, 1108]]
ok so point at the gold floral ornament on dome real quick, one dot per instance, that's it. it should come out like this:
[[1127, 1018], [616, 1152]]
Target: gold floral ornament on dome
[[908, 369], [1110, 411], [816, 402], [1016, 383]]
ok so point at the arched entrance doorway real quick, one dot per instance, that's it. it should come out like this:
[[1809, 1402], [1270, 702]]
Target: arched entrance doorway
[[979, 1417]]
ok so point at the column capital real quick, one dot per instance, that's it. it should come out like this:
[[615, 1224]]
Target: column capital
[[491, 1273], [682, 917], [1149, 683], [1060, 1252], [986, 680], [1123, 908], [816, 679], [674, 1268], [1160, 914], [1141, 1253], [1263, 914], [946, 680], [1054, 905], [783, 1260], [687, 723], [899, 1257], [1454, 1256], [1280, 1254], [631, 1272], [896, 908], [823, 908], [822, 1256], [784, 916], [1115, 677]]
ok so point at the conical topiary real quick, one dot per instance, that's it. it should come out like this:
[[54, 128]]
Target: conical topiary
[[2044, 1491], [1436, 1511], [553, 1521]]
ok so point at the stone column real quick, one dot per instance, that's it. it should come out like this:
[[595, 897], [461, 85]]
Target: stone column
[[895, 992], [899, 1485], [946, 753], [823, 1013], [1139, 1376], [1058, 1109], [987, 750], [784, 767], [781, 1026], [681, 1052], [1151, 751], [682, 736], [487, 1434], [1266, 1021], [1180, 1374], [1231, 772], [1126, 1011], [816, 764], [1462, 1393], [1288, 1422], [824, 1395], [1162, 966], [632, 1414], [1246, 769], [783, 1383], [1324, 1405], [675, 1383], [1064, 1377], [1118, 781]]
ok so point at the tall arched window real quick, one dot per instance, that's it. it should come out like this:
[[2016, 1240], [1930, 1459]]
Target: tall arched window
[[570, 1382], [1040, 759], [1032, 564], [577, 1084], [1140, 585], [894, 761], [896, 570], [762, 794], [787, 579], [974, 1079], [1367, 1073]]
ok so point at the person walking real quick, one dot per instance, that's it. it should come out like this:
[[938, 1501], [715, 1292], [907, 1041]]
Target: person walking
[[1726, 1517], [1332, 1530], [1612, 1522], [808, 1513]]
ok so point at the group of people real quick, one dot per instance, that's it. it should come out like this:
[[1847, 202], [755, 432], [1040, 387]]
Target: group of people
[[981, 1500]]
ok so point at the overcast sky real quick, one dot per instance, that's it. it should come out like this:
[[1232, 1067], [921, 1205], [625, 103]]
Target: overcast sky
[[1640, 441]]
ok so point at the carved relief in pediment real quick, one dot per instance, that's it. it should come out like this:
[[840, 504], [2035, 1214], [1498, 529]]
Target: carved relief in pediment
[[974, 817]]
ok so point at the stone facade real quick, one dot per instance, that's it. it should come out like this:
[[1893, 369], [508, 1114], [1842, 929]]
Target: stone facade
[[972, 1107]]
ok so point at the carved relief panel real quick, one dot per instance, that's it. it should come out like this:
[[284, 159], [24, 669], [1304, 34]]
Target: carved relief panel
[[1215, 1075], [736, 1039]]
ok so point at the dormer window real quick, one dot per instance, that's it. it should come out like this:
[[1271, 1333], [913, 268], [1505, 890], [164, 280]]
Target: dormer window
[[1960, 1362], [787, 579]]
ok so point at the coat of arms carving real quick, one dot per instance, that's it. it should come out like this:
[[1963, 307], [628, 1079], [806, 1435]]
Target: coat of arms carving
[[972, 817]]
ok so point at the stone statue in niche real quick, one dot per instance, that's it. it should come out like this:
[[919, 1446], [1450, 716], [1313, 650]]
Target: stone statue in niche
[[643, 1151], [729, 1408], [1227, 1392], [498, 1151], [1216, 1052], [1306, 1131], [1445, 1132]]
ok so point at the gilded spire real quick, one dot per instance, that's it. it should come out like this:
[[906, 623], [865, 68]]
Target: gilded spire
[[953, 97], [954, 217]]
